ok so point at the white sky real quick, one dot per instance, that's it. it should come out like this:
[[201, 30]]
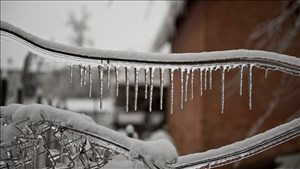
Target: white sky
[[113, 25]]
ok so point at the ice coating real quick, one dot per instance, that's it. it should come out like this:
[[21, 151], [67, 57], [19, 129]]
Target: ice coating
[[136, 87], [108, 77], [127, 74], [90, 80], [223, 88], [71, 73], [192, 83], [161, 73], [117, 80], [210, 78], [241, 80], [146, 82], [250, 87], [151, 89], [100, 68], [181, 88], [186, 85], [172, 89], [241, 149], [205, 61], [201, 81]]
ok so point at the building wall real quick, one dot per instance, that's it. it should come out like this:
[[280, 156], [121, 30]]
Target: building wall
[[225, 25]]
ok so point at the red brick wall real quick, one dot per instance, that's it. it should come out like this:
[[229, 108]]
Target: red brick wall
[[225, 25]]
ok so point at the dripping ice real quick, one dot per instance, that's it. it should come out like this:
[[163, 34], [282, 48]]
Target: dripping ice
[[186, 81]]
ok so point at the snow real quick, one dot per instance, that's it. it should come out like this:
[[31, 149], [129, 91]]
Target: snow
[[161, 153]]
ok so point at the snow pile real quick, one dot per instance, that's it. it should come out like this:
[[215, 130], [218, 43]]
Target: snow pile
[[160, 152]]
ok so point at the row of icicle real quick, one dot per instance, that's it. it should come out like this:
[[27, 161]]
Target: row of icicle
[[149, 73]]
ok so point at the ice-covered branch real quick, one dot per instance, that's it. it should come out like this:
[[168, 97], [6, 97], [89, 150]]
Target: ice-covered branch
[[242, 149], [95, 57]]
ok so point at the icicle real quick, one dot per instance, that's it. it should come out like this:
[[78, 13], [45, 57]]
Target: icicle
[[210, 78], [241, 81], [127, 87], [161, 72], [84, 68], [71, 73], [223, 84], [136, 88], [205, 79], [151, 89], [250, 87], [90, 80], [101, 84], [81, 71], [181, 88], [201, 81], [117, 81], [146, 83], [172, 88], [192, 83], [266, 73], [108, 77], [186, 84]]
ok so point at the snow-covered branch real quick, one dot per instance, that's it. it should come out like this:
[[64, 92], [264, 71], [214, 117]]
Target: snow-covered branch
[[95, 57], [242, 149], [160, 153]]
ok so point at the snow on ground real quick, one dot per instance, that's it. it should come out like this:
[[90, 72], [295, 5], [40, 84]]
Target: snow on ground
[[161, 152]]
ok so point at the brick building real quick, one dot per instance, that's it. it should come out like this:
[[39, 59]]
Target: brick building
[[226, 25]]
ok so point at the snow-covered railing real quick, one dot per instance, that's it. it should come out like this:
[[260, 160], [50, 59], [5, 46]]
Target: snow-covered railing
[[83, 143], [185, 62], [242, 149]]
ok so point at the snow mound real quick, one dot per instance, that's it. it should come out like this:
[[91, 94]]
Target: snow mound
[[161, 152]]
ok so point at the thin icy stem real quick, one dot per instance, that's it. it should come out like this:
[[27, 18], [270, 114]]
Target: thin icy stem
[[210, 78], [161, 72], [250, 87], [136, 86], [81, 72], [205, 79], [201, 81], [181, 88], [108, 77], [84, 68], [127, 87], [146, 83], [266, 73], [192, 83], [172, 89], [71, 73], [223, 87], [100, 68], [241, 80], [151, 89], [90, 80], [117, 80], [186, 84]]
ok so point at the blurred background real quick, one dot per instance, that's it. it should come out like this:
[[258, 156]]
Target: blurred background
[[164, 27]]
